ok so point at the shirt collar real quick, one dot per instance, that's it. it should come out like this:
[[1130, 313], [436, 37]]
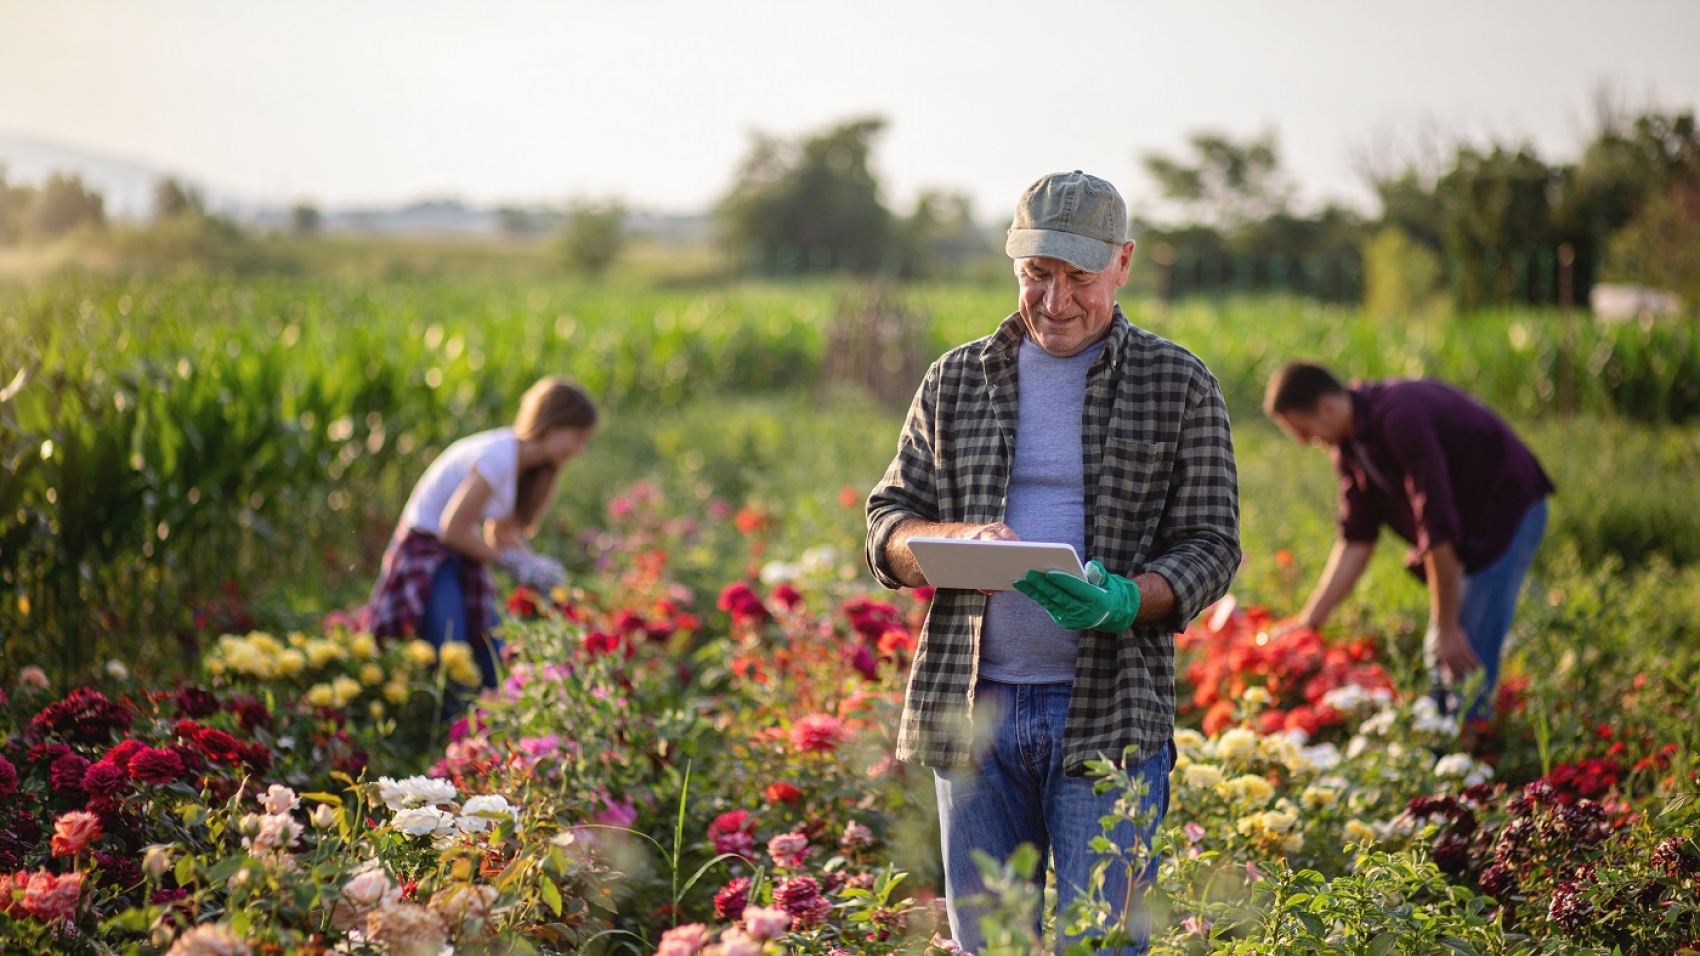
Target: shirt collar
[[1004, 345]]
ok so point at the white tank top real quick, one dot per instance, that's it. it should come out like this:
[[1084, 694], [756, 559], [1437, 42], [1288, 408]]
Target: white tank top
[[493, 454]]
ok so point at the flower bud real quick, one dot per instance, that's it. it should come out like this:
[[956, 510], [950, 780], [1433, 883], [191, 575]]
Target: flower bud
[[156, 861], [162, 935], [324, 817], [249, 825]]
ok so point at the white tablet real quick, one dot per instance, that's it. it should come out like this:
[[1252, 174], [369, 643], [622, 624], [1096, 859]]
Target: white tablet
[[990, 565]]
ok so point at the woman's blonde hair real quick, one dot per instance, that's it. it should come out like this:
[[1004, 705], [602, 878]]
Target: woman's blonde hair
[[552, 403]]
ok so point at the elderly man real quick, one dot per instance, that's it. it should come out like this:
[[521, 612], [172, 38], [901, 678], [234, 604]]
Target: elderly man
[[1447, 475], [1067, 424]]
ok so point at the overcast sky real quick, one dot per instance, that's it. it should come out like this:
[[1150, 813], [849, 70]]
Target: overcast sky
[[370, 101]]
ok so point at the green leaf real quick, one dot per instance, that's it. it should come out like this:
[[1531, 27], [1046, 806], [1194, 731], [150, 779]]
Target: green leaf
[[552, 896], [1458, 946], [329, 798], [185, 871], [1382, 945]]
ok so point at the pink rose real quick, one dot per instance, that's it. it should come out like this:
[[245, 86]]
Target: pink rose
[[74, 831], [686, 940], [788, 850], [765, 923]]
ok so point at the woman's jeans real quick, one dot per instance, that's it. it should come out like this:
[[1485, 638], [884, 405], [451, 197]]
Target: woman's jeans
[[1486, 604], [1017, 793], [445, 620]]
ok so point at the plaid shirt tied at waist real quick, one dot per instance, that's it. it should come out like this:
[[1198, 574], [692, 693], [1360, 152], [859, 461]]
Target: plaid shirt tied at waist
[[1161, 495], [397, 607]]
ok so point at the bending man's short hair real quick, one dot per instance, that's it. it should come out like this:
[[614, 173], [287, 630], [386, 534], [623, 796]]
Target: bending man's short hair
[[1297, 387]]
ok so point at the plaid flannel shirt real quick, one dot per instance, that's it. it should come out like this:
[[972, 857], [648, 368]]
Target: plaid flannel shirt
[[1161, 494], [397, 606]]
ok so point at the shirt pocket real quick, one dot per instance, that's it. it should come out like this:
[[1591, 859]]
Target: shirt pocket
[[1133, 483]]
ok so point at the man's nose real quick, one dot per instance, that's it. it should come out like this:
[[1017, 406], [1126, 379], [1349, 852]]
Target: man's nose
[[1056, 296]]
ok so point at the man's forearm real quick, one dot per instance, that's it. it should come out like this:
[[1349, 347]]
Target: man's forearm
[[901, 561], [1156, 597], [1345, 565], [1445, 580]]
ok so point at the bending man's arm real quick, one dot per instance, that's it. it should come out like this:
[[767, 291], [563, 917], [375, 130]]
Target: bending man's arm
[[1445, 578], [1346, 563]]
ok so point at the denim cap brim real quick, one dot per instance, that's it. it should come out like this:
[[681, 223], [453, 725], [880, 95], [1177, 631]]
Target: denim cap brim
[[1093, 255]]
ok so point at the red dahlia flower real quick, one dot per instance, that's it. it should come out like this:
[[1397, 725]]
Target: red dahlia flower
[[733, 832], [156, 766], [730, 902]]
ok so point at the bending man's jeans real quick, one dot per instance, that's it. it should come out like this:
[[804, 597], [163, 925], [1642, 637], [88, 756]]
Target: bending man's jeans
[[1017, 793], [445, 620], [1486, 605]]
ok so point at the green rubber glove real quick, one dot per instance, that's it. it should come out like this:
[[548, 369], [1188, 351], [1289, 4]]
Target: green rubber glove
[[1077, 605]]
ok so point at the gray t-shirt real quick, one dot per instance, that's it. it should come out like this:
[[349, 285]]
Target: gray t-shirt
[[1019, 643]]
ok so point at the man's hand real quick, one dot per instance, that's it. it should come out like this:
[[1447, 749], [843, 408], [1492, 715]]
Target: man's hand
[[1110, 605], [1457, 659], [996, 531], [1290, 625]]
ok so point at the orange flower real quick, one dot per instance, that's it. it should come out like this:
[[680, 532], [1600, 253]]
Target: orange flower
[[849, 497]]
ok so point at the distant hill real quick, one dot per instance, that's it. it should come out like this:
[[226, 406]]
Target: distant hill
[[127, 184], [128, 187]]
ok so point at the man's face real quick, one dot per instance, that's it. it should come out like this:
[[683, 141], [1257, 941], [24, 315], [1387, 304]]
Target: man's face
[[1329, 423], [1065, 308]]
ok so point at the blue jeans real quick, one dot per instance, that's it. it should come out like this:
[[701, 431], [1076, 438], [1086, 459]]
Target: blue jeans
[[1017, 793], [445, 620], [1485, 609]]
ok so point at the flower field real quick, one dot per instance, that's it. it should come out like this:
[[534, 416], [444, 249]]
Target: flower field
[[690, 750], [671, 772]]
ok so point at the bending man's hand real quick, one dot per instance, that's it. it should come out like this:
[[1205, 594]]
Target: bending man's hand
[[1110, 605], [1457, 659]]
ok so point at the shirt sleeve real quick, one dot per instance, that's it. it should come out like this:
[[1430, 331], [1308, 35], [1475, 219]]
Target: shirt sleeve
[[909, 488], [1414, 442], [1199, 530]]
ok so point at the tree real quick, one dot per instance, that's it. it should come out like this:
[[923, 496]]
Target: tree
[[941, 233], [1496, 216], [305, 220], [1224, 184], [65, 204], [594, 236], [173, 199], [15, 202], [812, 205]]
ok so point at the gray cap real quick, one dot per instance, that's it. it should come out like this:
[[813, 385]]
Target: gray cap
[[1074, 217]]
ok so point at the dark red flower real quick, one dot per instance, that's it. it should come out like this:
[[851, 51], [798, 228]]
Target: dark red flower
[[47, 753], [523, 603], [195, 703], [250, 713], [121, 753], [104, 778], [156, 766], [782, 792], [85, 716], [729, 903], [117, 870], [863, 661], [734, 832], [800, 896], [8, 778], [787, 597], [219, 745], [66, 775], [741, 602]]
